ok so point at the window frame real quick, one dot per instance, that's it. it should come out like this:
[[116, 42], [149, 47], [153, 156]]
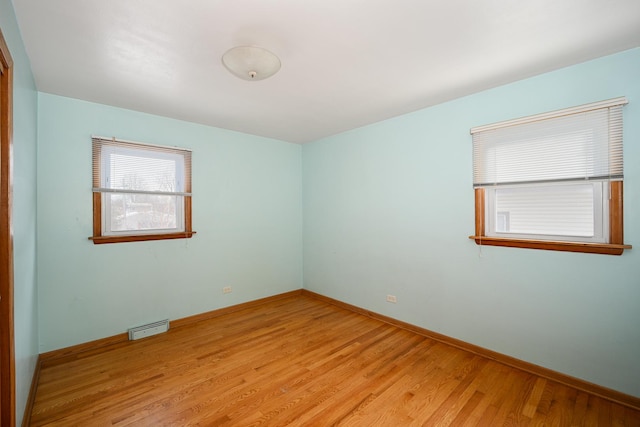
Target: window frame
[[614, 247], [100, 236], [612, 212]]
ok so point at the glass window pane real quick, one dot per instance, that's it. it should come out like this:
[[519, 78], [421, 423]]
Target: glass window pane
[[561, 210], [139, 212]]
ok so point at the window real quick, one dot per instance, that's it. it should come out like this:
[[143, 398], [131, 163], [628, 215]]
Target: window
[[140, 192], [552, 181]]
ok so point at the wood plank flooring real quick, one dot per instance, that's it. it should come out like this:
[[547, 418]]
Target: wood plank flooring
[[302, 362]]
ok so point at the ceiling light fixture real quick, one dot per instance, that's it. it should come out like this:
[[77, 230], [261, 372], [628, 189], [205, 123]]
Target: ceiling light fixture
[[251, 62]]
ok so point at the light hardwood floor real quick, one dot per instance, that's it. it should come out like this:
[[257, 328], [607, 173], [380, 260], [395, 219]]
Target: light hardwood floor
[[299, 361]]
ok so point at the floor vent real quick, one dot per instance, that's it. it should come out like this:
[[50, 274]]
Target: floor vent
[[148, 330]]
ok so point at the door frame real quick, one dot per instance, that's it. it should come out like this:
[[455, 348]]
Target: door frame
[[7, 353]]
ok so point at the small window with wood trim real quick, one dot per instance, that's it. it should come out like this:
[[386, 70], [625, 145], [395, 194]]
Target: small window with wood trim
[[552, 181], [140, 191]]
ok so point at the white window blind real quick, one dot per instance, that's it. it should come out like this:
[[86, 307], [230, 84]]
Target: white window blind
[[581, 143], [124, 166]]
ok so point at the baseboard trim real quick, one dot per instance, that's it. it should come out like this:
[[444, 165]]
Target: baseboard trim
[[26, 418], [67, 354], [597, 390]]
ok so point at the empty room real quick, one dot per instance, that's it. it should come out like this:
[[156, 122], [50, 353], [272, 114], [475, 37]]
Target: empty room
[[280, 212]]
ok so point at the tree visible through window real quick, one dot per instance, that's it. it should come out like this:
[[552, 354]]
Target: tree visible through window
[[141, 191]]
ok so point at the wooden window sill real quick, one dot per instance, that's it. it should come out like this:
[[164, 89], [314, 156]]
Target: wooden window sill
[[592, 248], [98, 240]]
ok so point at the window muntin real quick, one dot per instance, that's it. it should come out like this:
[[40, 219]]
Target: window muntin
[[140, 191]]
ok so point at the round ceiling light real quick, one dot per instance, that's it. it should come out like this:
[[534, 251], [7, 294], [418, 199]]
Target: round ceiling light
[[251, 62]]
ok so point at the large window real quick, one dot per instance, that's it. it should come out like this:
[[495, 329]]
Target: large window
[[552, 181], [141, 191]]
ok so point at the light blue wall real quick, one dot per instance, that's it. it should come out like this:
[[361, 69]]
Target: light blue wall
[[388, 209], [247, 212], [24, 208]]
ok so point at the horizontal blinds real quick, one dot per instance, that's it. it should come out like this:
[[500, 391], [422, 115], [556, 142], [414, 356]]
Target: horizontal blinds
[[131, 167], [568, 145]]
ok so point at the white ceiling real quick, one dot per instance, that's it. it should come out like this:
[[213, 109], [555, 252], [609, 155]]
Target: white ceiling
[[345, 63]]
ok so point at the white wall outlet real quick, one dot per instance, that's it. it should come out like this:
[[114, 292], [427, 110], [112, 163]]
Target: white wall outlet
[[226, 290], [392, 298]]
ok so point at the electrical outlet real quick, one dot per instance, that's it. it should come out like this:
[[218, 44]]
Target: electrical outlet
[[226, 290], [392, 298]]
